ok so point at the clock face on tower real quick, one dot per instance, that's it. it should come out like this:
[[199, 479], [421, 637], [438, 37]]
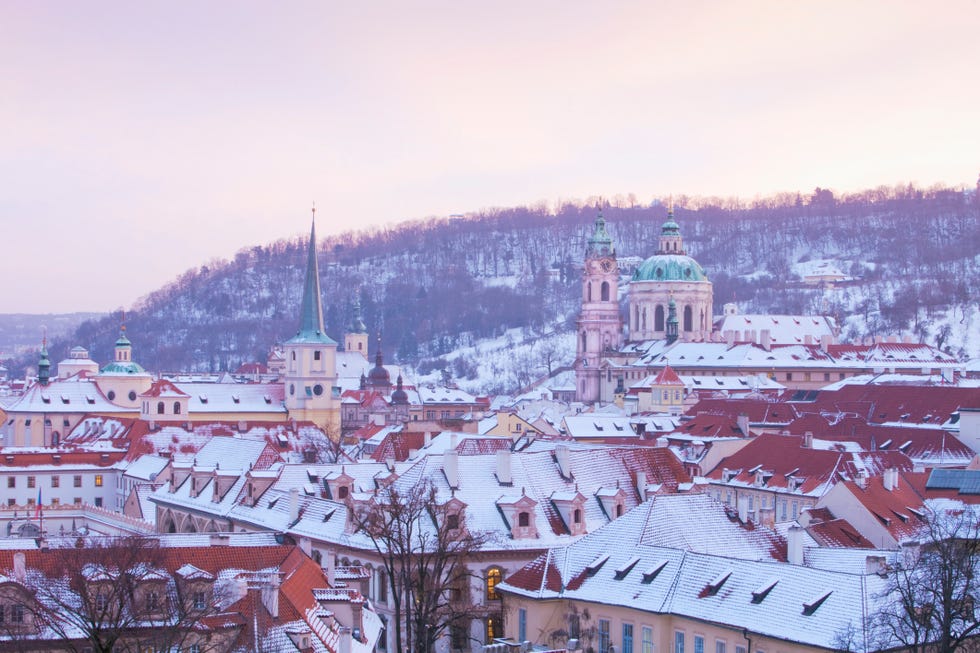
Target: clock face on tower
[[606, 264]]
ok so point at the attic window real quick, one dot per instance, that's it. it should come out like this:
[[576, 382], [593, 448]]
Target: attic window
[[46, 399], [90, 399], [594, 566], [904, 446], [790, 473], [811, 606], [904, 518], [712, 588], [268, 399], [203, 398], [236, 399], [653, 571], [885, 444], [327, 516], [597, 425], [272, 502], [759, 594], [65, 399]]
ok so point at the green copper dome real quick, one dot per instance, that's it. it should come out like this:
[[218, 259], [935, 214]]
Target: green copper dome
[[123, 367], [669, 267]]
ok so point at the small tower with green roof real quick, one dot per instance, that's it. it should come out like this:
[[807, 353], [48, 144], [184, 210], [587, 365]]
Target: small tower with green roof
[[310, 376], [356, 338], [44, 364]]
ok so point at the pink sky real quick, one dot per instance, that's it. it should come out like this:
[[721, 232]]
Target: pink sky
[[140, 139]]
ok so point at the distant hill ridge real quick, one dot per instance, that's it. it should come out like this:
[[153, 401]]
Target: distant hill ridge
[[431, 286]]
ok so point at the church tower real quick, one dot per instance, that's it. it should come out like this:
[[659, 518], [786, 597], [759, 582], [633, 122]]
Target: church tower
[[310, 377], [599, 326], [356, 338]]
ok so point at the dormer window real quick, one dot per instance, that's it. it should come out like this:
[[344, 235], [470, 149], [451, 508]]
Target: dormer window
[[577, 516], [316, 355], [343, 492], [452, 521], [523, 519]]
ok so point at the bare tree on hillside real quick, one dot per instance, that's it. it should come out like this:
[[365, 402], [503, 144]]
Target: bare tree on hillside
[[424, 548], [933, 595]]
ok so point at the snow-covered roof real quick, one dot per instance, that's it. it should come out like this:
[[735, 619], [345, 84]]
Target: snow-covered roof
[[621, 565], [234, 397], [76, 394]]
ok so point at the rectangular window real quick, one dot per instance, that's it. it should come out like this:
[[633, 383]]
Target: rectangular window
[[77, 481], [98, 480], [77, 501], [17, 613], [494, 628], [698, 644], [382, 588], [11, 481], [31, 481], [55, 481], [522, 624], [200, 601], [98, 502], [647, 635], [604, 636], [719, 646], [678, 642], [459, 636], [739, 649], [573, 626], [627, 638], [11, 501]]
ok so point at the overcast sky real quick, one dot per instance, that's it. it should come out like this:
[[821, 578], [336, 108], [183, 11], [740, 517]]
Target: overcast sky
[[140, 139]]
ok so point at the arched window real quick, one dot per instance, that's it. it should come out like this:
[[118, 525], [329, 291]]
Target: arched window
[[702, 320], [619, 510], [316, 355], [588, 294], [604, 292], [176, 408], [294, 355], [688, 319], [577, 516], [583, 341], [658, 319], [636, 318], [644, 318], [494, 576], [159, 408], [524, 519]]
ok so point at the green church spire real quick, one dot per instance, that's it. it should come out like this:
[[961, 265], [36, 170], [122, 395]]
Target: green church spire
[[44, 365], [311, 311]]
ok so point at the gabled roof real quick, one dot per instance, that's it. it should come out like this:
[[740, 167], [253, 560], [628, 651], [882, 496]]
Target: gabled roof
[[616, 566], [781, 458], [667, 376]]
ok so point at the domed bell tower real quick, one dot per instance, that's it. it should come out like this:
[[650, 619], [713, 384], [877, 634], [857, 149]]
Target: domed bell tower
[[599, 326]]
